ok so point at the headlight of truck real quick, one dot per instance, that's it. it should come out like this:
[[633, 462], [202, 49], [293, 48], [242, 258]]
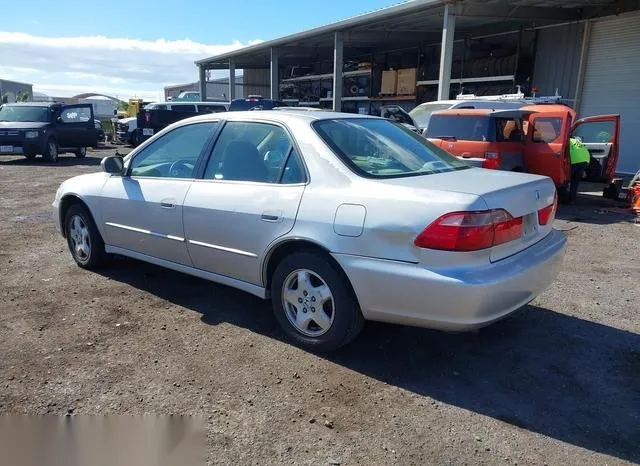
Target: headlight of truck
[[31, 134]]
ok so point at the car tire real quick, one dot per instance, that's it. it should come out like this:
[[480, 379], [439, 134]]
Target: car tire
[[135, 138], [30, 156], [51, 150], [313, 302], [81, 153], [83, 238]]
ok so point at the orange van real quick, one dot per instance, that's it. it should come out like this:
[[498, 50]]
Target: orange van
[[532, 138]]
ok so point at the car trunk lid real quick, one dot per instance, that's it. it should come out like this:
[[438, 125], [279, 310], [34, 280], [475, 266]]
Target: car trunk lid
[[520, 194]]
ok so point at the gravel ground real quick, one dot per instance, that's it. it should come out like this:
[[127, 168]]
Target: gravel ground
[[556, 383]]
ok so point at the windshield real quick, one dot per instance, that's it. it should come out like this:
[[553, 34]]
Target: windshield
[[422, 113], [378, 148], [462, 127], [24, 113]]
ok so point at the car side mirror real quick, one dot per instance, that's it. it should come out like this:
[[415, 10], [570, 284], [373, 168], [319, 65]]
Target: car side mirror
[[113, 165], [59, 120]]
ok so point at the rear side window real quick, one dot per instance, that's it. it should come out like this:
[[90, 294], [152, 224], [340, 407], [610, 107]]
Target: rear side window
[[211, 108], [256, 152], [465, 128], [183, 108], [546, 129]]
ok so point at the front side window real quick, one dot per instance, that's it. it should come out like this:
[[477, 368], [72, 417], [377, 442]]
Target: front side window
[[461, 127], [173, 155], [546, 129], [381, 148], [595, 131], [20, 113], [251, 151]]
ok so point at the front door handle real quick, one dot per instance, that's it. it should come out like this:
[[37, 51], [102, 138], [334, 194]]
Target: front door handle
[[168, 203]]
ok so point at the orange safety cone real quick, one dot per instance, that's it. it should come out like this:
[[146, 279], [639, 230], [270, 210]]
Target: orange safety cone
[[634, 195]]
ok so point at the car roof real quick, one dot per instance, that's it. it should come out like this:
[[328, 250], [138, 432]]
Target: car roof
[[282, 116], [33, 104], [507, 113]]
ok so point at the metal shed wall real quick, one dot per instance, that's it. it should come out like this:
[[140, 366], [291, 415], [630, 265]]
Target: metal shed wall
[[612, 84], [257, 81], [557, 60]]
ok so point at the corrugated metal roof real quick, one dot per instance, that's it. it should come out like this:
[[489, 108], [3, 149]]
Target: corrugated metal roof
[[423, 17]]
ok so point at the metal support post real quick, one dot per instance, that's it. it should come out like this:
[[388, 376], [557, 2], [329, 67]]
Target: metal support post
[[446, 52]]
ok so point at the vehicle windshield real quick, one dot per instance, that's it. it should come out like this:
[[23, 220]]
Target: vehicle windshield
[[25, 113], [422, 113], [378, 148], [461, 127]]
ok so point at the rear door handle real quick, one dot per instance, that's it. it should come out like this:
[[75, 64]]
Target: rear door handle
[[272, 216], [167, 203]]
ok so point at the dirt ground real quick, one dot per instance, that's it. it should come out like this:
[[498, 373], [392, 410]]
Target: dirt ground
[[556, 383]]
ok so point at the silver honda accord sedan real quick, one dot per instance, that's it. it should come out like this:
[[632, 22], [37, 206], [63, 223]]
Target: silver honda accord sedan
[[336, 218]]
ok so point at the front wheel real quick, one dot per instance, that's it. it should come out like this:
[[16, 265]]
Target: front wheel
[[51, 151], [314, 303], [30, 156], [83, 238], [81, 152]]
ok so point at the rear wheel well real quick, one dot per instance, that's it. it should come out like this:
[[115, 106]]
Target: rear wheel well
[[67, 202], [289, 247]]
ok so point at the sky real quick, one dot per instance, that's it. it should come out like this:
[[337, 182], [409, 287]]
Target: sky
[[135, 48]]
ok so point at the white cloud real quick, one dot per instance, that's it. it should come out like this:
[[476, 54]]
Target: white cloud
[[64, 66]]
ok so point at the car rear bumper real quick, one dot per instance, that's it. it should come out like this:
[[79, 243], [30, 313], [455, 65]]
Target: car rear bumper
[[453, 299]]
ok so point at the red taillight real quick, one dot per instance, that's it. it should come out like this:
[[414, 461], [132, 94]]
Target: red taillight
[[491, 160], [547, 213], [470, 231]]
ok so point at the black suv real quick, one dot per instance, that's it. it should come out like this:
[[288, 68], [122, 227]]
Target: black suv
[[32, 128]]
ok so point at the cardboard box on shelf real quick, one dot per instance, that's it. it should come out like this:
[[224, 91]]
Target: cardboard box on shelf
[[389, 82], [407, 81]]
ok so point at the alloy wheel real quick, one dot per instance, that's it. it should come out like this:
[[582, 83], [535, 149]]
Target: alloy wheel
[[308, 302], [80, 239]]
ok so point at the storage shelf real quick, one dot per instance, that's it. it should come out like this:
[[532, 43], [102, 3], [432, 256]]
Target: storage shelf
[[394, 97], [486, 79], [317, 77]]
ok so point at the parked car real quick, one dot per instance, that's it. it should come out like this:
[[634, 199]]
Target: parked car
[[336, 218], [48, 129], [254, 102], [134, 130], [421, 114], [155, 117], [532, 139]]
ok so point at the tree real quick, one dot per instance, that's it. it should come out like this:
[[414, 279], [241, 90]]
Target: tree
[[123, 106], [22, 96]]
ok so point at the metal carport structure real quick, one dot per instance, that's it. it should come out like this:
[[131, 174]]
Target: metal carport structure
[[418, 22]]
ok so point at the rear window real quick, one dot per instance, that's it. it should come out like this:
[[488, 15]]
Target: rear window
[[466, 128], [246, 104], [422, 113], [377, 148]]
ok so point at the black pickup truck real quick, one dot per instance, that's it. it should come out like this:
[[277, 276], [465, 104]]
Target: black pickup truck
[[33, 128], [155, 117]]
